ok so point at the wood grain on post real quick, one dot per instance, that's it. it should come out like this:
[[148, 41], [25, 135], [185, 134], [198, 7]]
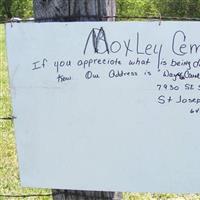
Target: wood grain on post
[[74, 10], [77, 10]]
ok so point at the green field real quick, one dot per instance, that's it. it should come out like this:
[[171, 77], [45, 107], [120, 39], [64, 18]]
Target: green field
[[9, 173]]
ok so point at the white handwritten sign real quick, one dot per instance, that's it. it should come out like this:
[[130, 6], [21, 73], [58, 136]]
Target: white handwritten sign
[[107, 106]]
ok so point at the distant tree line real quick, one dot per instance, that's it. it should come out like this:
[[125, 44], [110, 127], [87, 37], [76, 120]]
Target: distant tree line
[[165, 8], [144, 8]]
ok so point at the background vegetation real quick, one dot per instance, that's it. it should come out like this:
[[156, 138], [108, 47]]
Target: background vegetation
[[9, 177], [165, 8]]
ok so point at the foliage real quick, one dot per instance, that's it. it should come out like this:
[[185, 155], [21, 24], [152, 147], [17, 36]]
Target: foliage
[[179, 8], [144, 8], [15, 8], [22, 8], [136, 8], [168, 8]]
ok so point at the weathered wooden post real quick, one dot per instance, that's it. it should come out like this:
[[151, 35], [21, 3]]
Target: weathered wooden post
[[77, 10]]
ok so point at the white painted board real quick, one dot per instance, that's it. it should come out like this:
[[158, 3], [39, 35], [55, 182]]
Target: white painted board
[[107, 106]]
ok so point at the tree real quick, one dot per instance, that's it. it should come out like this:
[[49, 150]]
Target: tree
[[5, 8], [22, 8], [15, 8], [141, 8], [144, 8], [178, 8], [76, 10], [165, 8]]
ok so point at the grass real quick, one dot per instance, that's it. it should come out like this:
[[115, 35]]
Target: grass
[[9, 177]]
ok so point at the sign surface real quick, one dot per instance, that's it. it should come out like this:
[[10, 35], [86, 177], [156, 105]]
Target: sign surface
[[107, 106]]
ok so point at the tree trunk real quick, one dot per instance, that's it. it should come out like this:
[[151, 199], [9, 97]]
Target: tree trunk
[[77, 10], [74, 10]]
